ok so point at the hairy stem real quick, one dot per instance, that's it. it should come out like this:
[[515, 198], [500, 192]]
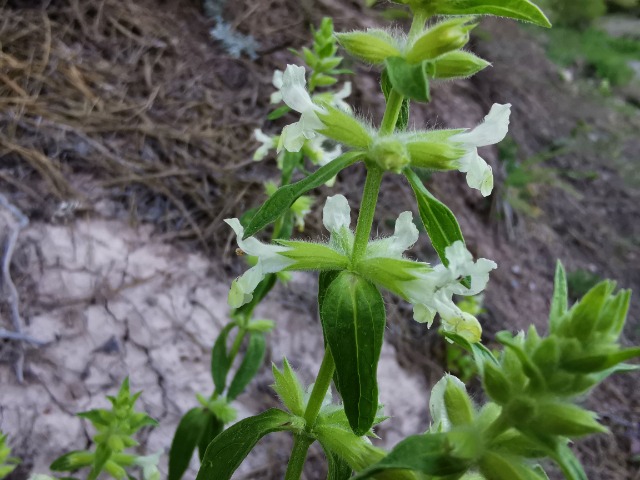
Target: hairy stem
[[323, 381], [298, 457], [367, 211], [302, 442], [391, 113]]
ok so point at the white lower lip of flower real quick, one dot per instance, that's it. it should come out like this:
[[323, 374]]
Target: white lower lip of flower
[[479, 172], [336, 213], [269, 261]]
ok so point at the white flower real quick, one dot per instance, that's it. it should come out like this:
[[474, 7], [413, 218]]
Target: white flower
[[296, 96], [405, 235], [319, 154], [276, 97], [269, 261], [336, 217], [433, 292], [491, 131], [340, 95], [267, 142]]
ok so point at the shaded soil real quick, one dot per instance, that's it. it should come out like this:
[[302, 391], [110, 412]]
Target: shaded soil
[[117, 114]]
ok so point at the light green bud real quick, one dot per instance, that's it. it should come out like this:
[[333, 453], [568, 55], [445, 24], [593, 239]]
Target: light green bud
[[457, 402], [313, 256], [566, 420], [495, 383], [440, 39], [458, 64], [372, 46], [344, 128], [507, 467], [390, 154], [434, 155]]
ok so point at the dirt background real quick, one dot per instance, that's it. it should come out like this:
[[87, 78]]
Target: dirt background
[[123, 140]]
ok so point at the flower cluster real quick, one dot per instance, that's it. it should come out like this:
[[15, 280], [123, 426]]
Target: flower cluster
[[435, 149], [430, 290]]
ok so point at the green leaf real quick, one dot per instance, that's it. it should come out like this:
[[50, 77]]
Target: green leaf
[[411, 80], [278, 112], [594, 362], [72, 461], [289, 389], [517, 9], [403, 117], [250, 365], [506, 467], [480, 353], [214, 426], [353, 320], [440, 223], [338, 468], [220, 361], [227, 451], [430, 454], [185, 441], [280, 201]]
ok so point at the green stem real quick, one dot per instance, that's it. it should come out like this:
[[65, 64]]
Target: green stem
[[500, 425], [237, 343], [302, 442], [417, 25], [298, 457], [323, 381], [391, 113], [367, 211]]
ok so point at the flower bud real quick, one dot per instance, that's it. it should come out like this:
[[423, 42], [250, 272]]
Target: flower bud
[[496, 383], [372, 46], [344, 128], [459, 407], [390, 154], [434, 155], [566, 420], [440, 39], [458, 65]]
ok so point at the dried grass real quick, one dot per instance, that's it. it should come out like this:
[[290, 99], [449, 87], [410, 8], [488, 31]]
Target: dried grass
[[147, 104]]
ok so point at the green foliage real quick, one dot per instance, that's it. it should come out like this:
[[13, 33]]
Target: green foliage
[[115, 429], [7, 463], [281, 201], [525, 179], [574, 14], [605, 57], [353, 320], [580, 281], [440, 223], [321, 57]]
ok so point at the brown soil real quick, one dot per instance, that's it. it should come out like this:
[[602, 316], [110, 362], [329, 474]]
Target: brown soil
[[123, 138]]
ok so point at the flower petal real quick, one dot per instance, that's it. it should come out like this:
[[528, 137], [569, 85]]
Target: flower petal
[[292, 138], [404, 236], [479, 172], [491, 131], [277, 79], [336, 213], [294, 91], [267, 144]]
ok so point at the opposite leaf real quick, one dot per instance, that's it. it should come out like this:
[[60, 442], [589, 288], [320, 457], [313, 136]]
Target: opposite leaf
[[280, 201], [353, 320], [185, 441], [250, 365], [410, 80], [518, 9], [440, 223], [227, 451]]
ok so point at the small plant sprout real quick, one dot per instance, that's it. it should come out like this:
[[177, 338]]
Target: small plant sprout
[[7, 462], [114, 435]]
